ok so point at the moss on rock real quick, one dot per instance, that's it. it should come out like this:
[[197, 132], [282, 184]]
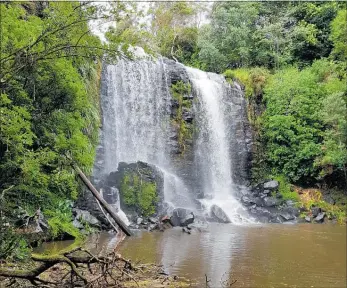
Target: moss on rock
[[180, 92], [140, 187]]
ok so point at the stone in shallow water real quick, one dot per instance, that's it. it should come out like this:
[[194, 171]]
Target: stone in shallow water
[[179, 216], [320, 217], [152, 227], [275, 219], [219, 215], [287, 216], [308, 219], [189, 219]]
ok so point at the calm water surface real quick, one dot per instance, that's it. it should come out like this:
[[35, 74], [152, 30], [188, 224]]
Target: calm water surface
[[302, 255]]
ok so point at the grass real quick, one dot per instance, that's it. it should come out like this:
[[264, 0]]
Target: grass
[[313, 198]]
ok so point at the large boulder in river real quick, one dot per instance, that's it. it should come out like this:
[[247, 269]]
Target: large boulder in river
[[219, 215], [141, 188], [181, 217]]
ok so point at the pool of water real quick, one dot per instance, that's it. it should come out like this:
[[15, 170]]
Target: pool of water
[[301, 255]]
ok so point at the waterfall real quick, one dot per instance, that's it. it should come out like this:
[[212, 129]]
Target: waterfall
[[215, 142], [136, 115], [137, 126]]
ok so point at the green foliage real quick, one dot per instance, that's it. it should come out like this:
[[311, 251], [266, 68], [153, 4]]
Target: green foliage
[[139, 193], [48, 105], [294, 127], [179, 91], [12, 245], [272, 35], [253, 79], [339, 38], [285, 189], [60, 221], [174, 29], [314, 199]]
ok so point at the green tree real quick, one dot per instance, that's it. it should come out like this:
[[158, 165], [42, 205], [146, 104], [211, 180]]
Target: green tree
[[174, 27], [303, 135]]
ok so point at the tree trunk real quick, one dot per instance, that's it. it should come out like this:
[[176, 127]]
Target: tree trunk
[[104, 204]]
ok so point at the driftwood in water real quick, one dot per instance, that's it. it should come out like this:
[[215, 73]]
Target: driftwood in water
[[104, 204]]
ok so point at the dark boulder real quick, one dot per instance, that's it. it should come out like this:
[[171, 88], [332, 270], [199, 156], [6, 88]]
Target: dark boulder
[[181, 216], [329, 199], [153, 220], [186, 230], [139, 221], [77, 224], [308, 219], [320, 217], [315, 211], [152, 227], [187, 115], [189, 219], [274, 218], [271, 185], [219, 215], [84, 216], [287, 216], [270, 201], [292, 210], [247, 200]]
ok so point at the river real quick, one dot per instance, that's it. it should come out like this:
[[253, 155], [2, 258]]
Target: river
[[301, 255]]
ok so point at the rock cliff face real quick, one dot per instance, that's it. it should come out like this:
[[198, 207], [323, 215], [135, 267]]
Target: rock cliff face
[[189, 126]]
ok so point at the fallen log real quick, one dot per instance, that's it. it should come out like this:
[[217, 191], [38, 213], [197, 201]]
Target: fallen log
[[99, 198], [41, 263]]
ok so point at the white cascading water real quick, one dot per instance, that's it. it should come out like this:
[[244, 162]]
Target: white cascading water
[[213, 144], [136, 117], [136, 106]]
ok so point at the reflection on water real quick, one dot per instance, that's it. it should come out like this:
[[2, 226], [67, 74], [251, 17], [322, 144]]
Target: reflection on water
[[256, 256], [100, 244]]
